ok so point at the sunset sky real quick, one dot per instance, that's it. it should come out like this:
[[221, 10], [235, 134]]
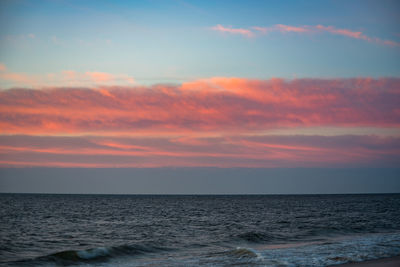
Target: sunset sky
[[226, 84]]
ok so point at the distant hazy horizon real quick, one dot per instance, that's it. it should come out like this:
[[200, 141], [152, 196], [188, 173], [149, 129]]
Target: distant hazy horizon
[[200, 180]]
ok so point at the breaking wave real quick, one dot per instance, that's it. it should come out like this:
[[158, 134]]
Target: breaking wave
[[93, 255]]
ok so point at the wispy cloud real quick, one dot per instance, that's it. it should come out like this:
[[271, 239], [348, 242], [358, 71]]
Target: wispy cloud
[[56, 40], [226, 151], [230, 30], [18, 78], [63, 78], [2, 67], [310, 29], [281, 28]]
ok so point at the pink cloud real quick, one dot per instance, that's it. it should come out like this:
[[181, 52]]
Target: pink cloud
[[215, 122], [345, 32], [212, 105], [63, 78], [70, 74], [282, 29], [228, 151], [2, 67], [263, 30], [287, 28], [244, 32], [19, 78], [99, 77], [306, 29]]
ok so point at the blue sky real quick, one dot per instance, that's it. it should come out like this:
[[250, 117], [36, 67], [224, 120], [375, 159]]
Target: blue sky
[[171, 41]]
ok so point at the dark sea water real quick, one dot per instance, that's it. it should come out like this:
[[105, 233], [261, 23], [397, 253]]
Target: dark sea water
[[132, 230]]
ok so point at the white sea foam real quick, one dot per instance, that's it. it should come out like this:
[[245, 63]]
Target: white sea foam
[[359, 248], [337, 251]]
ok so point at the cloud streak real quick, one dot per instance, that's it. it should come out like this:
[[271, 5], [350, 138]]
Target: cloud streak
[[305, 29], [228, 151], [64, 78], [230, 30]]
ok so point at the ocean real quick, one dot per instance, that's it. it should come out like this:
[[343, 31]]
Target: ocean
[[197, 230]]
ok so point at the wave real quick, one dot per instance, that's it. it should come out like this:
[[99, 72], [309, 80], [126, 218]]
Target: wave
[[98, 254], [238, 255], [240, 252], [81, 255], [306, 235]]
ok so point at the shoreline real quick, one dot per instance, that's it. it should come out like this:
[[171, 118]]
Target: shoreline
[[384, 262]]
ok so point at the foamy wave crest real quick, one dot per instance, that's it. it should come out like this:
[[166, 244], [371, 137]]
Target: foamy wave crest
[[82, 255], [93, 253]]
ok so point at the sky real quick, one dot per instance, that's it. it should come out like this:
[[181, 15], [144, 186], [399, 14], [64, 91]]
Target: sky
[[200, 89]]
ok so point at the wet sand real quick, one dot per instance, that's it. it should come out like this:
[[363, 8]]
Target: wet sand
[[387, 262]]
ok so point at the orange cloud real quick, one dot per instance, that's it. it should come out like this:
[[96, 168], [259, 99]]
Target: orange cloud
[[203, 106], [19, 78], [63, 78], [2, 67], [99, 77]]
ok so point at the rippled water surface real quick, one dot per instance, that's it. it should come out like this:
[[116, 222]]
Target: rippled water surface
[[111, 230]]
